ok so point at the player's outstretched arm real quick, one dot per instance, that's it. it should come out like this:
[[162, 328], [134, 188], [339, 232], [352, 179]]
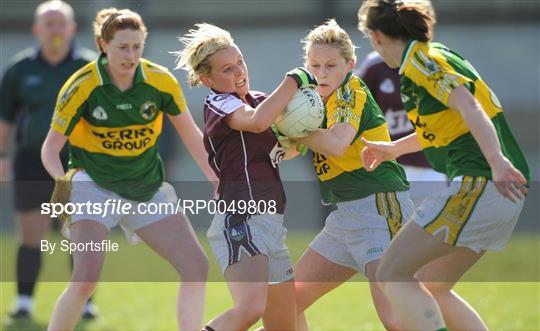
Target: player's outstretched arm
[[193, 139], [509, 181], [331, 142], [50, 153], [259, 119], [376, 152]]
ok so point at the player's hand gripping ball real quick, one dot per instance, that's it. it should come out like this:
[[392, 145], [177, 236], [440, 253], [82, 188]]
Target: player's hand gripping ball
[[289, 143], [303, 78]]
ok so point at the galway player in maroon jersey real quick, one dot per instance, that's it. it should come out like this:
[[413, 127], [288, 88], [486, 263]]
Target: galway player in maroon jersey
[[384, 84], [249, 243]]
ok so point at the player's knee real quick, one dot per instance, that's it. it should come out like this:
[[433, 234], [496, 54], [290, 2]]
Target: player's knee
[[201, 267], [197, 270], [83, 289], [87, 269]]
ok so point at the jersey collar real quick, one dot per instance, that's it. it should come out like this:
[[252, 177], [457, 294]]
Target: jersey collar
[[345, 81], [347, 78], [408, 48], [104, 78], [249, 97]]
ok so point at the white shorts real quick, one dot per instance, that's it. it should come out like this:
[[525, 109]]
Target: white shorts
[[260, 234], [424, 182], [470, 213], [359, 231], [84, 189]]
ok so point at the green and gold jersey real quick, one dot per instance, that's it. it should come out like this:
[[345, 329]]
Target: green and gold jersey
[[113, 134], [343, 178], [430, 72]]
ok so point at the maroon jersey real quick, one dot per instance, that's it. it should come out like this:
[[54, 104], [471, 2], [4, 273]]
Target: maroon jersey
[[246, 163], [384, 84]]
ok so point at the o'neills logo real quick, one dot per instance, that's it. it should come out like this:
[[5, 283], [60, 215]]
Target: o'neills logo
[[125, 139]]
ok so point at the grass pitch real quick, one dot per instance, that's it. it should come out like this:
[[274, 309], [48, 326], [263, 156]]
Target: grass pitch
[[139, 290]]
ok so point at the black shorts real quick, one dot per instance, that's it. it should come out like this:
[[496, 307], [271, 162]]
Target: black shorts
[[33, 185]]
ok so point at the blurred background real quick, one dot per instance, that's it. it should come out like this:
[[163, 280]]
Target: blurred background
[[500, 38]]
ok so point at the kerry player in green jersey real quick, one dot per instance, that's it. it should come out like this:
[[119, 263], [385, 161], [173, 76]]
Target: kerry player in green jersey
[[371, 206], [28, 92], [452, 108], [112, 111]]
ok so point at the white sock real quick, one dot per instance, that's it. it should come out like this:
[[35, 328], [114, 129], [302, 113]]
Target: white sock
[[24, 302], [89, 307]]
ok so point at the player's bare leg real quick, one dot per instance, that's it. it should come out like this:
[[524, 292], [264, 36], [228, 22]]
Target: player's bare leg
[[248, 284], [409, 251], [315, 276], [440, 276], [173, 239], [280, 312], [86, 270], [381, 303]]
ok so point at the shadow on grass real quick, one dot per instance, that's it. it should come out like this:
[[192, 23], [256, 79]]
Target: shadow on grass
[[28, 324], [23, 324]]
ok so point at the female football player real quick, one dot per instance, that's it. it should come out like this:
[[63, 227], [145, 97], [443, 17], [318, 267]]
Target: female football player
[[111, 111], [249, 245], [384, 82], [371, 206], [454, 109]]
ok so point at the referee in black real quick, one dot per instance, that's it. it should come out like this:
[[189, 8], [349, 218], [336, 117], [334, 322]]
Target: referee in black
[[27, 99]]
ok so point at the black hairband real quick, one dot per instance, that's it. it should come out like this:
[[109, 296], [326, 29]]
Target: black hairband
[[393, 4], [108, 22]]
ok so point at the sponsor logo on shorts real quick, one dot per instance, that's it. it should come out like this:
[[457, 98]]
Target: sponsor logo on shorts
[[237, 233], [374, 250]]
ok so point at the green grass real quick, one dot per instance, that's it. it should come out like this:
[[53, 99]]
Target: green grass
[[146, 301]]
